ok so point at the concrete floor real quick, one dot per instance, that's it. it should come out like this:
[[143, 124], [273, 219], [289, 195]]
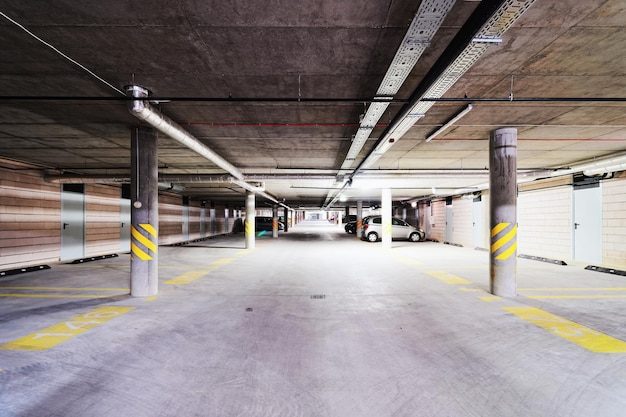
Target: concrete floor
[[314, 323]]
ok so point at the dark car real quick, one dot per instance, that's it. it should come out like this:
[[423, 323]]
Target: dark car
[[265, 223], [350, 227]]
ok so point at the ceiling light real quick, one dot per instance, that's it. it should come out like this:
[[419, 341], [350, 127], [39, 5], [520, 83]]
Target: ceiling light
[[449, 123]]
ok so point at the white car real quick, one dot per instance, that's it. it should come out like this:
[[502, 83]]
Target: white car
[[372, 230]]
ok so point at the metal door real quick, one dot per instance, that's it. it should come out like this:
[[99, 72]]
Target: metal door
[[478, 223], [125, 223], [72, 221], [588, 223], [449, 222]]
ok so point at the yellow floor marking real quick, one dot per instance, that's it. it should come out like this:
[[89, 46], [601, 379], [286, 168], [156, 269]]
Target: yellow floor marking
[[410, 261], [243, 252], [223, 261], [154, 297], [448, 278], [489, 298], [61, 296], [186, 278], [581, 335], [58, 333], [471, 289], [63, 289], [574, 296], [572, 289]]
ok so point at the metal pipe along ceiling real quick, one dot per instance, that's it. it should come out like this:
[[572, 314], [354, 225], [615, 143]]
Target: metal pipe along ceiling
[[141, 109]]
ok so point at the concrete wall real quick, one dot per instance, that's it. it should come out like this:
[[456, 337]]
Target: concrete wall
[[544, 213], [614, 222], [102, 216], [30, 218]]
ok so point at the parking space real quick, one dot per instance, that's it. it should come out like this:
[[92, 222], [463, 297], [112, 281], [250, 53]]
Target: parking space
[[315, 322]]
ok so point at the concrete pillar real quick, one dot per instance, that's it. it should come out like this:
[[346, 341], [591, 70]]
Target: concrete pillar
[[203, 219], [275, 221], [249, 225], [212, 219], [226, 219], [386, 218], [503, 212], [286, 214], [144, 261], [359, 219]]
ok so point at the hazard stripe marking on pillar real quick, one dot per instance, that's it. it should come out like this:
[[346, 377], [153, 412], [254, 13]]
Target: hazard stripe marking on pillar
[[248, 228], [583, 336], [387, 228], [504, 236], [140, 238], [58, 333]]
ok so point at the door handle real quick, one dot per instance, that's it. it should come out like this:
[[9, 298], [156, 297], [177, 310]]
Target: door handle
[[65, 225], [576, 225], [122, 225]]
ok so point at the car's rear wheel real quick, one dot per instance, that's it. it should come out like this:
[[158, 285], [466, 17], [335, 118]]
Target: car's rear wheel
[[414, 237], [372, 236]]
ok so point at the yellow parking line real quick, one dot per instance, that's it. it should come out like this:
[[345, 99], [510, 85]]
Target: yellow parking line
[[573, 296], [63, 289], [60, 296], [223, 261], [581, 335], [489, 298], [448, 278], [574, 289], [58, 333], [186, 278]]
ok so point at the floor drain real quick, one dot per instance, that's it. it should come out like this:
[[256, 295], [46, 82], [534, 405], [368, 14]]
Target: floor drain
[[318, 297]]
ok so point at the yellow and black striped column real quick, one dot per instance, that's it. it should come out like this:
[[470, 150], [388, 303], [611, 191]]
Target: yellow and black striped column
[[250, 223], [503, 212], [359, 219], [144, 264]]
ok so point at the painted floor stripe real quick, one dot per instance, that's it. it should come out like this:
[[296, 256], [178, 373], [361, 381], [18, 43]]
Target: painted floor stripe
[[64, 289], [448, 278], [573, 289], [186, 278], [581, 335], [489, 298], [223, 261], [59, 333], [61, 295], [537, 297]]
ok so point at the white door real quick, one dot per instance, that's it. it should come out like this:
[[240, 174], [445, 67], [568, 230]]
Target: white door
[[588, 223], [449, 222], [478, 223], [72, 221]]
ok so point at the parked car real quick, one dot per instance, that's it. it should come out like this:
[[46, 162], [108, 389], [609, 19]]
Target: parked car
[[372, 230], [265, 223], [350, 227]]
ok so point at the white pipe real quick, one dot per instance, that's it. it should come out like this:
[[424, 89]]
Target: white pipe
[[141, 109]]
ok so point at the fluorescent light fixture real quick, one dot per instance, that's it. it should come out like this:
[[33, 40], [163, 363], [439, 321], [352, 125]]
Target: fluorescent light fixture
[[449, 123], [494, 39]]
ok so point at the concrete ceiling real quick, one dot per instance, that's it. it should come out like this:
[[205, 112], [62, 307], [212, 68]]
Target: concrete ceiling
[[231, 57]]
